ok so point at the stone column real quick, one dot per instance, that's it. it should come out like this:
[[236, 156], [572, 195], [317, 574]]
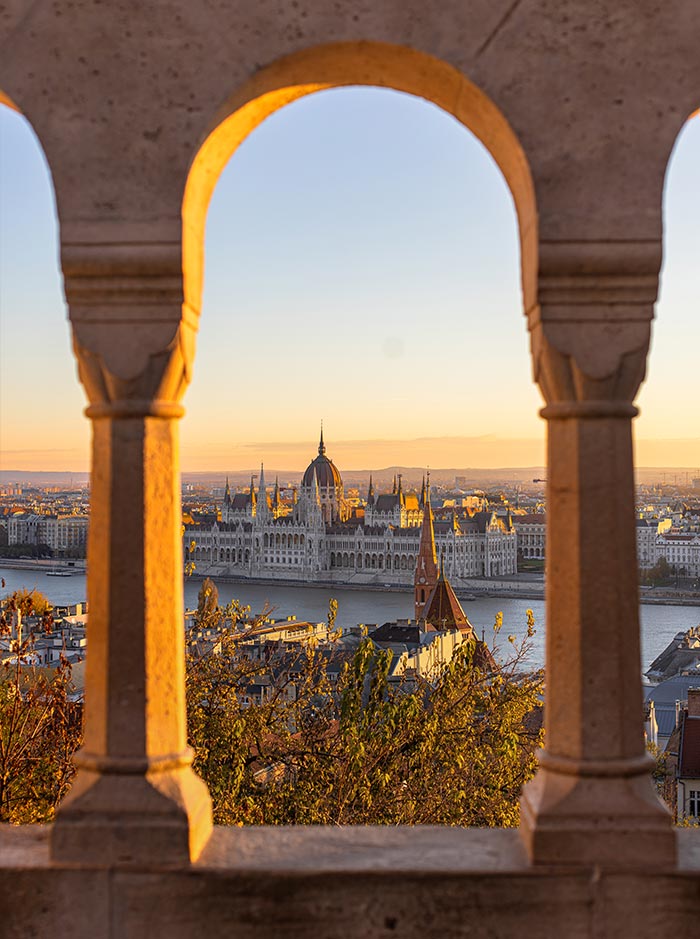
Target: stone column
[[593, 800], [135, 798]]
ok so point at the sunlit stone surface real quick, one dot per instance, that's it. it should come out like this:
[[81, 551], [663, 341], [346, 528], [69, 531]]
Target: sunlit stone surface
[[138, 107]]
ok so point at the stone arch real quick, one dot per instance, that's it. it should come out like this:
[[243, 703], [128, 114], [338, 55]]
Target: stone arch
[[567, 264], [342, 64]]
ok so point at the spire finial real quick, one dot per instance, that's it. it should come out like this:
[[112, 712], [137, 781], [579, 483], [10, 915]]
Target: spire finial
[[321, 444]]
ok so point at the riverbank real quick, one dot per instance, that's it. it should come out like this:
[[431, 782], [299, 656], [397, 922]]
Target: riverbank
[[527, 586], [44, 565], [471, 590]]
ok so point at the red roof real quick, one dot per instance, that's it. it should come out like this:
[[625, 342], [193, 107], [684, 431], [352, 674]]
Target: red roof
[[689, 765], [443, 610]]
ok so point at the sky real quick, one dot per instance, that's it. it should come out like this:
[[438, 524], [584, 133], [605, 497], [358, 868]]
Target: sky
[[361, 269]]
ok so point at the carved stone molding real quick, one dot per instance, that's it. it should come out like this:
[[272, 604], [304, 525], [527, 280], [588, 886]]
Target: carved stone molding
[[591, 327], [133, 336]]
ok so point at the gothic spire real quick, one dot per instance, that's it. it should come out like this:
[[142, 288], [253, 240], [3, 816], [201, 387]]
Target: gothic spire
[[393, 488], [422, 493], [227, 493], [426, 575], [370, 491], [253, 500], [321, 444], [262, 492]]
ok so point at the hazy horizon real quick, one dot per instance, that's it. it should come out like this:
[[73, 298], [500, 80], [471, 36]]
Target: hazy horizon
[[439, 453]]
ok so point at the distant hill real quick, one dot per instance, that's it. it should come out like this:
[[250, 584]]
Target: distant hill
[[44, 478], [383, 476]]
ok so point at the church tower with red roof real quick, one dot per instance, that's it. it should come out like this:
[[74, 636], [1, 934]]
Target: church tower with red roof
[[426, 575]]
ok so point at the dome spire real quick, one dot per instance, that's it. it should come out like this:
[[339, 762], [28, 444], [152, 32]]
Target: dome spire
[[321, 444], [263, 505]]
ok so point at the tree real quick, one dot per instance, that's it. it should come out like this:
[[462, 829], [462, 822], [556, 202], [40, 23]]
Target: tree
[[40, 720], [279, 742], [659, 574], [207, 601]]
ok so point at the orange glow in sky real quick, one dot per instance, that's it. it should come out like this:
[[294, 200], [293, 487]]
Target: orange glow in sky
[[361, 268]]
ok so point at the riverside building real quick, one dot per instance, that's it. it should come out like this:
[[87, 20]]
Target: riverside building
[[320, 537]]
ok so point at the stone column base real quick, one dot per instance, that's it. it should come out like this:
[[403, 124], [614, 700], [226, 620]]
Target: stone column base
[[613, 821], [110, 818]]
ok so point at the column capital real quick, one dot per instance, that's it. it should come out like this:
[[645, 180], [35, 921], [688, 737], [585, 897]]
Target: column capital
[[133, 335], [591, 325]]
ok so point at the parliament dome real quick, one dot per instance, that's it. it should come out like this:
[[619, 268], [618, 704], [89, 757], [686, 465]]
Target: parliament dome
[[323, 469]]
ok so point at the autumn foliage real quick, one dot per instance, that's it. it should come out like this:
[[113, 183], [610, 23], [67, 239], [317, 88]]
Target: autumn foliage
[[331, 739], [40, 718]]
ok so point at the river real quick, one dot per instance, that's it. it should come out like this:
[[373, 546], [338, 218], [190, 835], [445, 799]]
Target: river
[[659, 623]]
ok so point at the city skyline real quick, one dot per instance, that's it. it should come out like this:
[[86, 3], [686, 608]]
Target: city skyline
[[401, 325]]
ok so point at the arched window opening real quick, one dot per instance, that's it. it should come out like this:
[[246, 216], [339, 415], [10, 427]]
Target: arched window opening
[[667, 445], [41, 403]]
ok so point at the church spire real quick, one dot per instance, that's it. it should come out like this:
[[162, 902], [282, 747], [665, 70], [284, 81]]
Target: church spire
[[321, 444], [227, 493], [370, 491], [426, 574]]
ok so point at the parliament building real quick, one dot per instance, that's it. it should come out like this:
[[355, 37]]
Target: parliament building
[[319, 537]]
